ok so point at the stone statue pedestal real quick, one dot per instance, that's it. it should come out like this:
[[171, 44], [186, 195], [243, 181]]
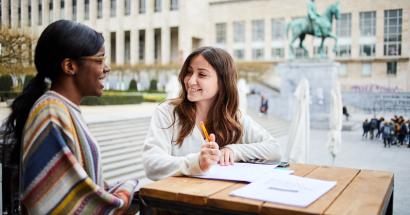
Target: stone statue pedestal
[[321, 75]]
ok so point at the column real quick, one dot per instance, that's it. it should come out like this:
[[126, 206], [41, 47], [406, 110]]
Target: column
[[120, 8], [107, 44], [134, 46], [4, 13], [34, 13], [184, 43], [165, 45], [56, 10], [119, 47], [14, 14], [45, 12], [69, 9], [149, 45], [80, 10], [24, 13], [93, 11]]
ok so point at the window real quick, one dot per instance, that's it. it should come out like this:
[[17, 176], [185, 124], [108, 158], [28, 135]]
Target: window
[[19, 13], [343, 51], [239, 54], [1, 15], [141, 43], [62, 9], [257, 54], [392, 68], [344, 25], [127, 47], [141, 7], [29, 13], [368, 23], [113, 47], [127, 7], [278, 53], [99, 9], [50, 13], [113, 8], [74, 2], [278, 29], [239, 32], [86, 9], [157, 5], [220, 30], [366, 69], [258, 31], [40, 14], [174, 5], [343, 70], [392, 32], [367, 50]]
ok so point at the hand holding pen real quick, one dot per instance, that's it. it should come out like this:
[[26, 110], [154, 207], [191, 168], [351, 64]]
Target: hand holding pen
[[210, 153]]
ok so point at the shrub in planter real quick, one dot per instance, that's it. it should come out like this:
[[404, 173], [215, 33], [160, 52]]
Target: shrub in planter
[[133, 85], [27, 80], [6, 83], [153, 85]]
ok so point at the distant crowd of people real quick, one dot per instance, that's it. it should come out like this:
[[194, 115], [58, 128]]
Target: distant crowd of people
[[393, 132]]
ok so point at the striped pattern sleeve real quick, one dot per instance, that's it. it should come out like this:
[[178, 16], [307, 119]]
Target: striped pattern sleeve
[[53, 179]]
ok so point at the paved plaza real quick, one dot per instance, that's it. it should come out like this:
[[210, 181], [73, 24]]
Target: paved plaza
[[355, 152]]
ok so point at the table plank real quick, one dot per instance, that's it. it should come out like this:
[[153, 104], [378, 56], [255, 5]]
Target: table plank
[[224, 200], [197, 191], [184, 189], [343, 176], [370, 190]]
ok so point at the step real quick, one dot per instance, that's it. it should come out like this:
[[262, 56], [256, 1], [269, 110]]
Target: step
[[122, 129], [116, 122], [119, 146], [123, 164], [107, 142], [124, 171]]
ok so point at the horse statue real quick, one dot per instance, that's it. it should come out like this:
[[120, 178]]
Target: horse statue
[[303, 26]]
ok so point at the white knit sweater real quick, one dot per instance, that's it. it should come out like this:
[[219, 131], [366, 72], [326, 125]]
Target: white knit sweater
[[163, 158]]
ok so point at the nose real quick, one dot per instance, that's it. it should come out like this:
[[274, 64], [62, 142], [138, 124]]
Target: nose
[[192, 79], [107, 68]]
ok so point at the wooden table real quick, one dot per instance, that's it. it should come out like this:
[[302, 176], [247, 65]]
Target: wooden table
[[356, 192]]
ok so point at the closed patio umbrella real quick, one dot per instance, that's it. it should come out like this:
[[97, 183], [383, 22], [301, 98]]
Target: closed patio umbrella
[[299, 135], [335, 121]]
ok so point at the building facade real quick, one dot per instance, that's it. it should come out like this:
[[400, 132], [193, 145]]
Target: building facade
[[373, 46]]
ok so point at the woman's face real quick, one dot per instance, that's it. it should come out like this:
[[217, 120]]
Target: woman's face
[[201, 81], [91, 74]]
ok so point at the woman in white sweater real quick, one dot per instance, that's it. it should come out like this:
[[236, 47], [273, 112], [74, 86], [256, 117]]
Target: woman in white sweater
[[175, 144]]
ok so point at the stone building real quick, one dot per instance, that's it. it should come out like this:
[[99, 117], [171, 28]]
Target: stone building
[[374, 35]]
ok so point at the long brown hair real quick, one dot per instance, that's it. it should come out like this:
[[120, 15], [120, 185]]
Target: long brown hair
[[223, 117]]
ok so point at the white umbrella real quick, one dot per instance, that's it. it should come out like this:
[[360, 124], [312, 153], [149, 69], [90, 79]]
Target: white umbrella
[[299, 135], [335, 121]]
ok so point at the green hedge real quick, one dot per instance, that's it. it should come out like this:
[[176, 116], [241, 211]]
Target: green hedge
[[4, 95], [112, 100]]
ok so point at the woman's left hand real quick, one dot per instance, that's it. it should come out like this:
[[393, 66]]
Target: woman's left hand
[[227, 157]]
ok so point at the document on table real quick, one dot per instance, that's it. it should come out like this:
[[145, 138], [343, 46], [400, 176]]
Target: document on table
[[286, 189], [248, 172]]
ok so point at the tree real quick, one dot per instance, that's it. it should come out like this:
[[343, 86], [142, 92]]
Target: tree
[[6, 83], [153, 85], [15, 52]]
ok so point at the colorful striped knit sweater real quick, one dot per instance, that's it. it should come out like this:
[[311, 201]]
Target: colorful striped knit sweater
[[61, 166]]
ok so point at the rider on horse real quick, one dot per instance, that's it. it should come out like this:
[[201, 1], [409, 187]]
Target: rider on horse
[[313, 17]]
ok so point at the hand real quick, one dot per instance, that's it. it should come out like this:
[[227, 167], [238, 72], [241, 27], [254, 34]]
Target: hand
[[209, 154], [227, 157]]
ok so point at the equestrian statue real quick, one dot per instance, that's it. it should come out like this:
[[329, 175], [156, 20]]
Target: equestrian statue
[[316, 25]]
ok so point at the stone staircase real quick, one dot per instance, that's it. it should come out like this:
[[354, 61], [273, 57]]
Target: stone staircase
[[121, 144]]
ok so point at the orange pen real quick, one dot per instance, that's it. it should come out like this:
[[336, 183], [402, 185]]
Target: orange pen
[[202, 125]]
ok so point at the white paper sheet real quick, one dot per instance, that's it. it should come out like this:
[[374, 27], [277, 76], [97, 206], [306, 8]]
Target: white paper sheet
[[248, 172], [286, 189]]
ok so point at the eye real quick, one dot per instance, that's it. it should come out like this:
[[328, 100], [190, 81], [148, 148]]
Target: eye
[[202, 74]]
